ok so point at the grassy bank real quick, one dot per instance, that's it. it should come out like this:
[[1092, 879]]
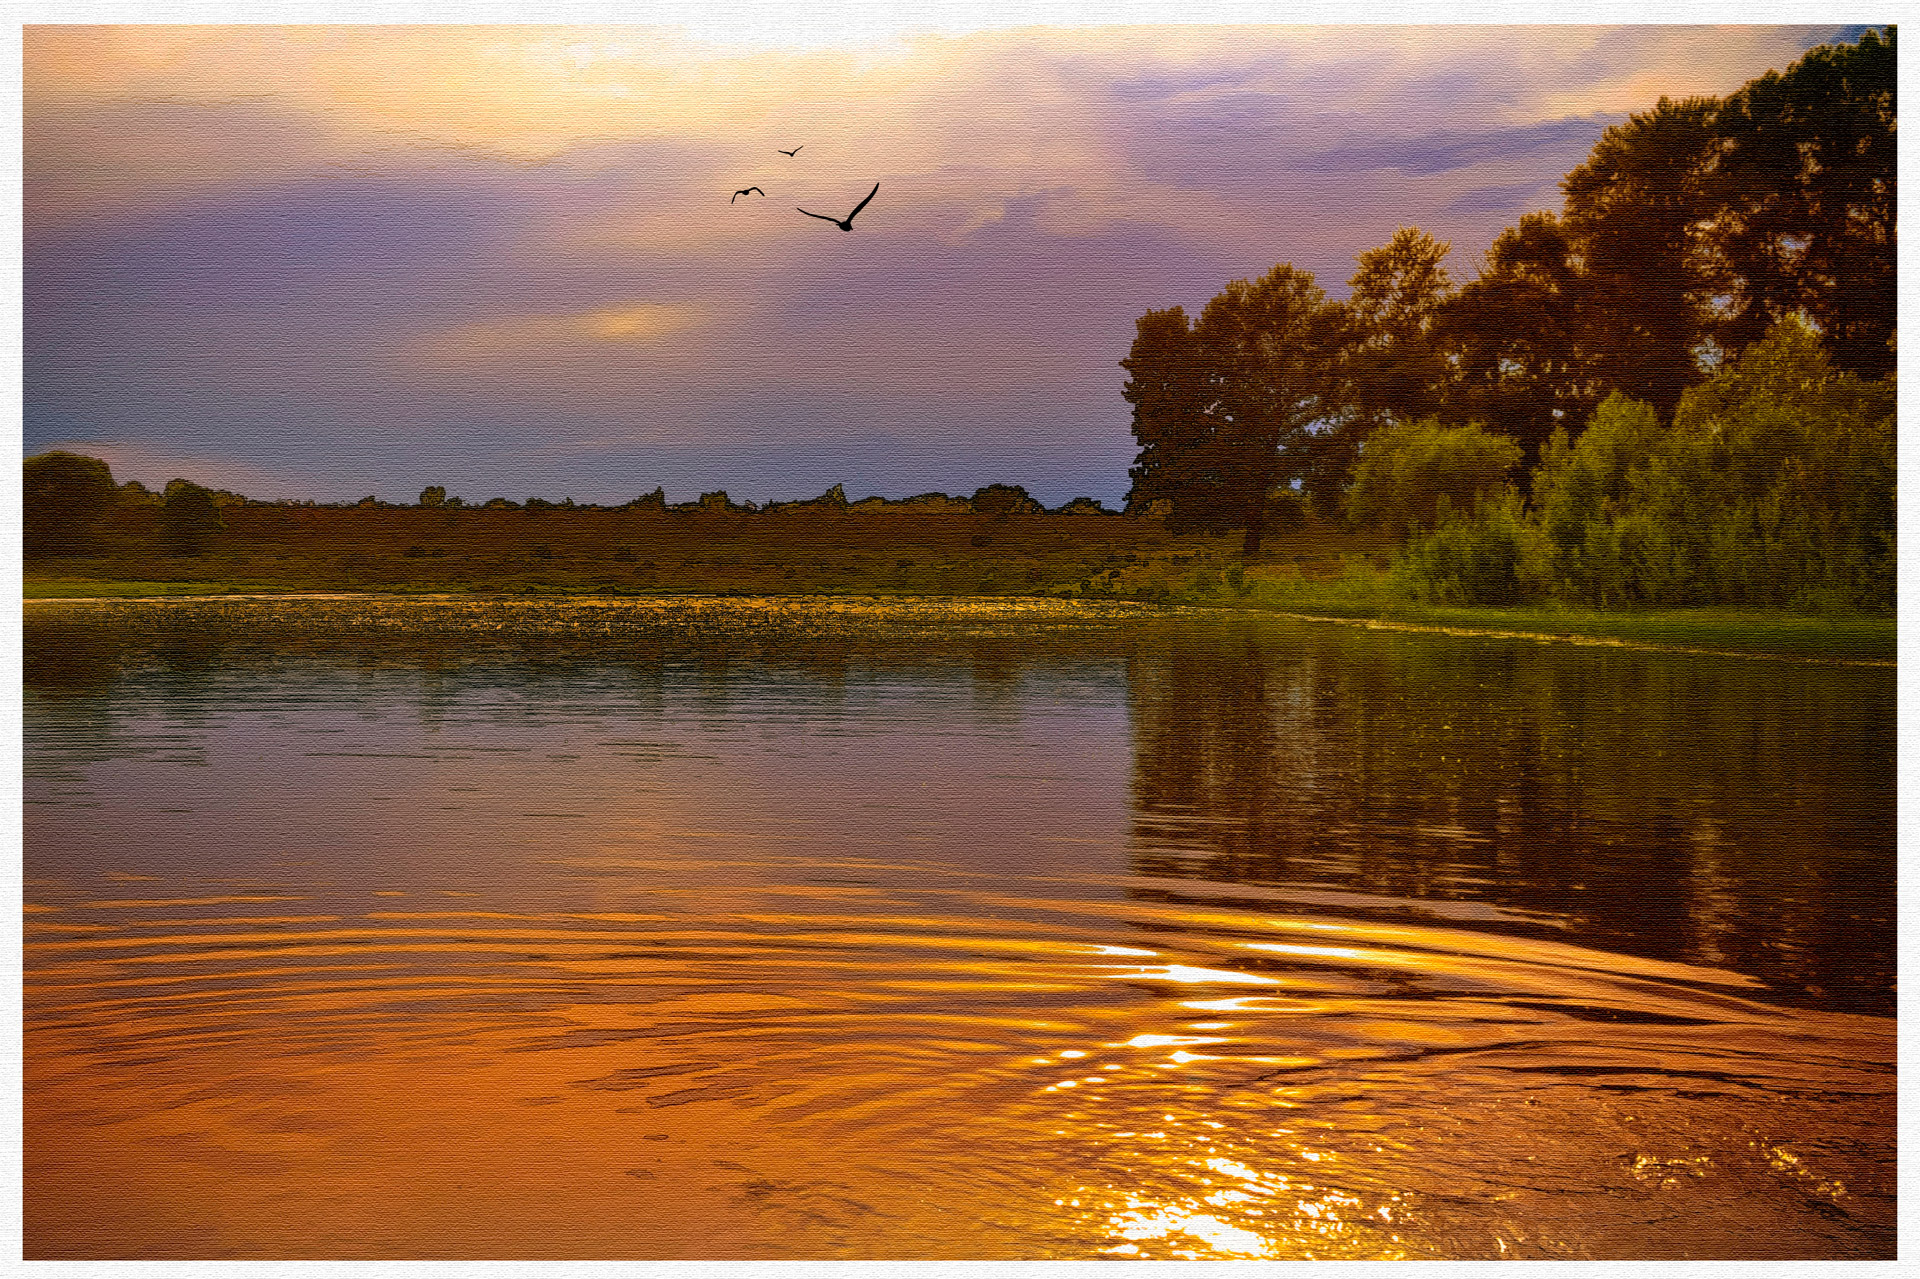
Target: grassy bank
[[1366, 593], [1316, 572]]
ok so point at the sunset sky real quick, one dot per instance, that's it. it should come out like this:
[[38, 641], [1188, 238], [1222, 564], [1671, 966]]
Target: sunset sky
[[331, 261]]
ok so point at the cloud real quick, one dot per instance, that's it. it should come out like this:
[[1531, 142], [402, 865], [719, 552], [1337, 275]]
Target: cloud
[[505, 344], [371, 243]]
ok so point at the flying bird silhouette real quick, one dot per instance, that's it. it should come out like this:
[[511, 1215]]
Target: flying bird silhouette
[[795, 151], [846, 223], [743, 191]]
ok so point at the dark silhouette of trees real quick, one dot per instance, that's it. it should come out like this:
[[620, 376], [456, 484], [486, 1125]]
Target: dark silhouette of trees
[[1225, 409], [1170, 390], [1803, 192], [1518, 337], [63, 496], [1398, 369], [433, 496], [998, 501], [1638, 217], [187, 514], [1686, 234]]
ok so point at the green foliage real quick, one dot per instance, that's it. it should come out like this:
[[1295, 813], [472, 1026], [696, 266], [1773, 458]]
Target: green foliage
[[188, 514], [1774, 487], [1492, 555], [63, 496], [1411, 474], [1581, 489], [432, 496]]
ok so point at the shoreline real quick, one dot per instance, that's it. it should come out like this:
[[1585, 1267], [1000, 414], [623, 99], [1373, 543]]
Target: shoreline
[[1849, 640]]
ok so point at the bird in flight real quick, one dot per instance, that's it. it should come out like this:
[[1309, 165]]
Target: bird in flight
[[743, 191], [795, 151], [846, 223]]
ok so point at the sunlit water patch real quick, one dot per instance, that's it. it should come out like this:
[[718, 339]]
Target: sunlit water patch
[[781, 930]]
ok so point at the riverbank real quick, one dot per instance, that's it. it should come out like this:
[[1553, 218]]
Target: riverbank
[[1366, 594], [1848, 638], [1317, 571]]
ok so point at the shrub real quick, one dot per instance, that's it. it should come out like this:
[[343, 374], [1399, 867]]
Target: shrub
[[1491, 556], [1412, 473], [1774, 487], [1580, 490], [187, 514], [998, 501]]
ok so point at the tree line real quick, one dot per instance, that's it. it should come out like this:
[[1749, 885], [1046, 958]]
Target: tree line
[[68, 497], [1689, 235]]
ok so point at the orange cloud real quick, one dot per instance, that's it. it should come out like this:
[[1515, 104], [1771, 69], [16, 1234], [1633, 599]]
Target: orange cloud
[[534, 341]]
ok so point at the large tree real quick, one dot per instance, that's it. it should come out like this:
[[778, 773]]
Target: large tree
[[1226, 408], [1520, 337], [1803, 194], [1637, 214], [63, 495], [1397, 369], [1687, 231], [1170, 389]]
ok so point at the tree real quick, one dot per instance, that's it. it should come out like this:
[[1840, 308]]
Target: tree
[[1412, 475], [1637, 211], [1804, 193], [1225, 409], [1519, 337], [1170, 391], [63, 496], [1397, 370], [1002, 500], [187, 514], [433, 496]]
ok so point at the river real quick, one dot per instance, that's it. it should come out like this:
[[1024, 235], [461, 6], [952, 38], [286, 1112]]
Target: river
[[756, 929]]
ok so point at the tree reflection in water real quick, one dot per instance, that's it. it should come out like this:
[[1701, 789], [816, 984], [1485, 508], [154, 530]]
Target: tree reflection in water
[[1727, 812]]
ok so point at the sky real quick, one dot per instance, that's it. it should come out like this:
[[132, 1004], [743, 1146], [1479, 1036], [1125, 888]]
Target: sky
[[326, 262]]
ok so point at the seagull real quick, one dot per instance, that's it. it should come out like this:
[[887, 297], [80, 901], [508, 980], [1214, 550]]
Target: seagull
[[846, 223], [795, 151], [743, 191]]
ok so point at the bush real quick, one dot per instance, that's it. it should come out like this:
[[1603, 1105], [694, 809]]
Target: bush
[[1774, 487], [1411, 474], [434, 495], [188, 514], [1581, 489], [998, 501], [63, 495], [1491, 556]]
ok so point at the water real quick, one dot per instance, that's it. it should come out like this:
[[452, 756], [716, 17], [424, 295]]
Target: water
[[758, 929]]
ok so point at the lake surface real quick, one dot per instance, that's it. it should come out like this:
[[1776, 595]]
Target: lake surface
[[372, 928]]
